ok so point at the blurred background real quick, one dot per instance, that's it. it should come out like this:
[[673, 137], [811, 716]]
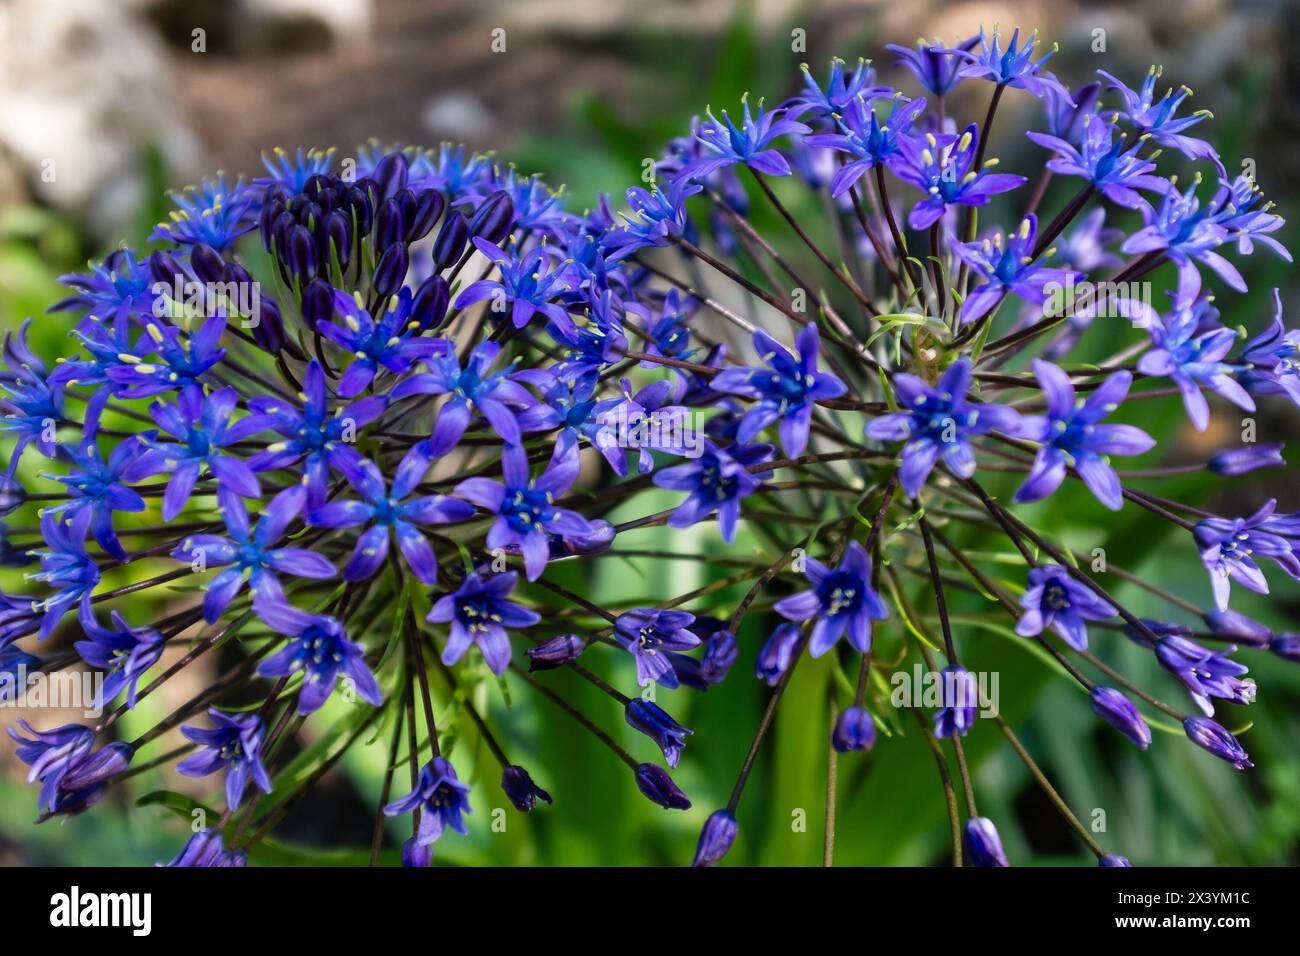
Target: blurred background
[[109, 102]]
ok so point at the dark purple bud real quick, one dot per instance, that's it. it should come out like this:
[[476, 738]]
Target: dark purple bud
[[12, 496], [983, 845], [390, 271], [317, 303], [1211, 736], [208, 264], [1112, 859], [855, 730], [556, 652], [494, 218], [655, 722], [653, 781], [391, 174], [521, 790], [268, 326], [338, 237], [164, 268], [300, 255], [428, 208], [357, 203], [429, 305], [449, 245], [1118, 711], [1284, 645], [271, 211], [389, 225], [596, 541], [1237, 627], [715, 839], [720, 655], [416, 856], [1240, 461]]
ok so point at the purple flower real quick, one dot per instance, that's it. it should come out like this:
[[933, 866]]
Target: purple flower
[[983, 845], [479, 613], [777, 653], [390, 340], [234, 744], [839, 91], [785, 391], [72, 774], [1056, 600], [441, 796], [387, 511], [214, 213], [936, 67], [1009, 265], [182, 358], [526, 284], [1113, 860], [1012, 67], [941, 167], [205, 849], [320, 649], [521, 790], [119, 288], [647, 634], [960, 702], [1228, 547], [1155, 118], [202, 428], [854, 731], [252, 551], [937, 420], [1208, 735], [653, 721], [1118, 711], [716, 481], [65, 567], [842, 600], [867, 139], [492, 393], [1188, 235], [1106, 159], [1205, 673], [125, 652], [720, 655], [1070, 436], [314, 433], [1193, 359], [29, 397], [99, 486], [657, 218], [658, 787], [1273, 358], [1236, 626], [725, 144], [716, 837]]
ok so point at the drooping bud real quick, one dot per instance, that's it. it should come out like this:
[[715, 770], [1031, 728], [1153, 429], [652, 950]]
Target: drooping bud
[[556, 652], [855, 730], [983, 845], [653, 781], [1118, 711], [716, 837], [1238, 627], [12, 496], [1240, 461], [653, 721], [521, 790], [1209, 735]]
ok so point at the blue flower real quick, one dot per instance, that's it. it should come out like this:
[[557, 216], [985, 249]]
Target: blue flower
[[1009, 265], [182, 358], [715, 481], [120, 287], [960, 702], [1187, 234], [842, 600], [648, 634], [100, 487], [942, 167], [293, 172], [314, 433], [777, 653], [936, 67], [1229, 546], [318, 648], [1189, 349], [938, 421], [854, 731], [233, 744], [1106, 160], [73, 775], [31, 400], [1014, 66], [1205, 673], [473, 387], [750, 144], [1070, 436], [441, 796], [657, 218], [1156, 118], [528, 283], [205, 849], [387, 510], [1272, 358], [525, 506], [871, 142], [653, 721], [65, 566], [391, 341], [839, 91], [785, 391], [252, 552], [203, 429], [215, 214], [1055, 599], [479, 612], [125, 652]]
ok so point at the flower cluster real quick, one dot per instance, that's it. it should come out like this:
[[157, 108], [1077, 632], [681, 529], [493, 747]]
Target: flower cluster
[[376, 458]]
